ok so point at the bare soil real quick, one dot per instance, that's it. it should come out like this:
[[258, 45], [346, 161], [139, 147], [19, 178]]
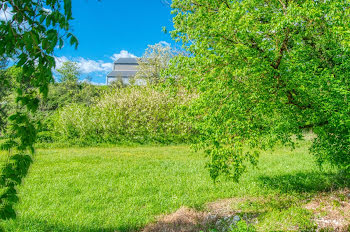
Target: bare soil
[[331, 213], [331, 210]]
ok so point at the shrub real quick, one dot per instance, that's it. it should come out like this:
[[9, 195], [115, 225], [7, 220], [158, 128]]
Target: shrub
[[134, 114]]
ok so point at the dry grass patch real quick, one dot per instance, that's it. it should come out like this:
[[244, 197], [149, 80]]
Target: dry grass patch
[[182, 220], [223, 207], [332, 210], [188, 220], [328, 211]]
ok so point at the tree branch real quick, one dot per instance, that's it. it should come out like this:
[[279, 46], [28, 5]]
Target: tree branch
[[282, 50], [226, 3]]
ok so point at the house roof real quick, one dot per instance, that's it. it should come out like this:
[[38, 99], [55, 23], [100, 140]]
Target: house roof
[[121, 74], [126, 61]]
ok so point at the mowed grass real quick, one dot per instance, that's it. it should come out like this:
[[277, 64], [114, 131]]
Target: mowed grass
[[124, 188]]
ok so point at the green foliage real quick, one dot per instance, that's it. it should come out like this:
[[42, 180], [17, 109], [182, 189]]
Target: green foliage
[[69, 72], [264, 72], [5, 86], [61, 95], [28, 36], [134, 114], [11, 175], [242, 226]]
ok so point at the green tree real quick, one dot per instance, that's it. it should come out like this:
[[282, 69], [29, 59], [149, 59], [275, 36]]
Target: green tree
[[69, 72], [265, 71], [69, 85], [4, 89], [68, 90], [29, 35], [7, 94]]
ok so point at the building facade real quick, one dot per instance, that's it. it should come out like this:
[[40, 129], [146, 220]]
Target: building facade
[[124, 69]]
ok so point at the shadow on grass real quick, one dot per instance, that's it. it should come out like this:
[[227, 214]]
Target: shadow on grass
[[305, 182], [274, 212], [285, 211], [42, 225]]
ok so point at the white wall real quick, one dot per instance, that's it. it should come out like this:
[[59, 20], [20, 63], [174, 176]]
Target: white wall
[[125, 67], [126, 81]]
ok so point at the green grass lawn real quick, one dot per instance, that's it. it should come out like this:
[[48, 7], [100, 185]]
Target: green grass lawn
[[124, 188]]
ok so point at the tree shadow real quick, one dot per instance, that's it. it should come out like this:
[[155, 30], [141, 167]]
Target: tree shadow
[[305, 182], [43, 225]]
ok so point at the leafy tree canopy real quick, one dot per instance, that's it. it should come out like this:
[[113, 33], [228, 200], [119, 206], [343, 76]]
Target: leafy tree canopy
[[31, 31], [4, 87], [69, 72], [265, 71]]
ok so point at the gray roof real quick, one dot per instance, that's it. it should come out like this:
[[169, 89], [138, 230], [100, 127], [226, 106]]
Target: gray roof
[[126, 61], [122, 74]]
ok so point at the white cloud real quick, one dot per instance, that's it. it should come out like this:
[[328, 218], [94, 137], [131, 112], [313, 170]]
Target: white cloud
[[86, 66], [164, 43], [108, 66], [89, 66], [96, 68], [122, 54], [60, 60], [96, 83]]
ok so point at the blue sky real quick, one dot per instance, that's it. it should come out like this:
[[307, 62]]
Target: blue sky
[[109, 29]]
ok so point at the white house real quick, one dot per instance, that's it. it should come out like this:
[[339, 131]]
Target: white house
[[124, 69]]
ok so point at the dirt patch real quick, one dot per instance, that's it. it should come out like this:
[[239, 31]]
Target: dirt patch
[[223, 208], [331, 213], [332, 210], [218, 214], [182, 220]]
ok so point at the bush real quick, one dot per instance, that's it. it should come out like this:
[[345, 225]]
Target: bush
[[134, 114]]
